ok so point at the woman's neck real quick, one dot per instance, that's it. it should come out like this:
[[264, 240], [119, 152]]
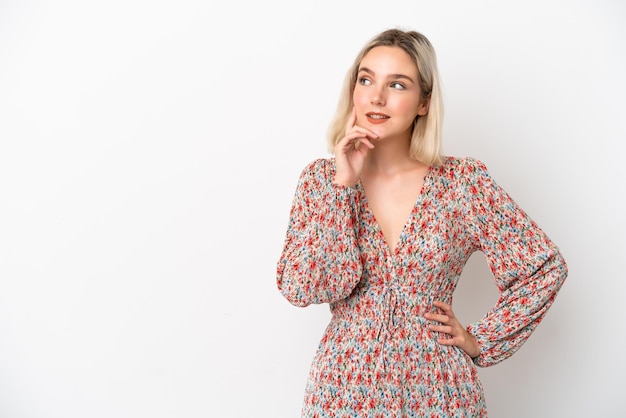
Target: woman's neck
[[390, 156]]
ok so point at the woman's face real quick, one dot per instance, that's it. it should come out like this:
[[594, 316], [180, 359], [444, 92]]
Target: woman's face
[[387, 96]]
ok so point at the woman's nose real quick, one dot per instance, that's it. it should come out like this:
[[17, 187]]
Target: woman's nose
[[378, 97]]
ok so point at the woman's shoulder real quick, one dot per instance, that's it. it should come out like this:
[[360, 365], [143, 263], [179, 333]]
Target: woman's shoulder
[[320, 163], [320, 167], [456, 167]]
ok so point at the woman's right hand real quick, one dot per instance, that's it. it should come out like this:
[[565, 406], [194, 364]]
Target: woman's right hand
[[351, 151]]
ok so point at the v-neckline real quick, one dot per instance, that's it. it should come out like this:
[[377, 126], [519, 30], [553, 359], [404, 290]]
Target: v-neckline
[[412, 214]]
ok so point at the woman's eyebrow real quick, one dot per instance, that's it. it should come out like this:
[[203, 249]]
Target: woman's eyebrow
[[393, 76]]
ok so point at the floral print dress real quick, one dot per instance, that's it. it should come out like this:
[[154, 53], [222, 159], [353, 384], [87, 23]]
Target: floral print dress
[[377, 357]]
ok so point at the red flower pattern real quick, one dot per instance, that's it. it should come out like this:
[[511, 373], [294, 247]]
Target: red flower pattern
[[377, 357]]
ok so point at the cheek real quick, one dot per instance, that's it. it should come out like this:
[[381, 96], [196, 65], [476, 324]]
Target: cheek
[[360, 104], [410, 108], [357, 98]]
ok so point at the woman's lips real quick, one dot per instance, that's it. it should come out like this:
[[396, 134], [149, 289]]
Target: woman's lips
[[376, 118]]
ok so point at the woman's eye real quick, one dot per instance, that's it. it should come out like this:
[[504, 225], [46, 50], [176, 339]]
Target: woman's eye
[[398, 86], [364, 81]]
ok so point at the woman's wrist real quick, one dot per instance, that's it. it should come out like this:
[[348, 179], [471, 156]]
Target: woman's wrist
[[474, 348]]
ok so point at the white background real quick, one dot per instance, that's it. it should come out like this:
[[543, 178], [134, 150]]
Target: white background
[[149, 151]]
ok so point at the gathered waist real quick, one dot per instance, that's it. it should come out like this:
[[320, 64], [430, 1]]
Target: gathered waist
[[388, 316], [369, 302], [387, 307]]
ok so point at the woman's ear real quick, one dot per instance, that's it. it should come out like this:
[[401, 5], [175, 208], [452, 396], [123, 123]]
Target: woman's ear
[[422, 108]]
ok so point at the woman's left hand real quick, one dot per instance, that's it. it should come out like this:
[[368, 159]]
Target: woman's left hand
[[449, 324]]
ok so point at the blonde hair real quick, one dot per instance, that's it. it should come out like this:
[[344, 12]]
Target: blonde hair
[[426, 136]]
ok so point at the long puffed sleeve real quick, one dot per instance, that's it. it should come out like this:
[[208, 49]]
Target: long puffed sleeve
[[528, 268], [320, 262]]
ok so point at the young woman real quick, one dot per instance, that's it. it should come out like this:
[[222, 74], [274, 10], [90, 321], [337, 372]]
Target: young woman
[[382, 231]]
